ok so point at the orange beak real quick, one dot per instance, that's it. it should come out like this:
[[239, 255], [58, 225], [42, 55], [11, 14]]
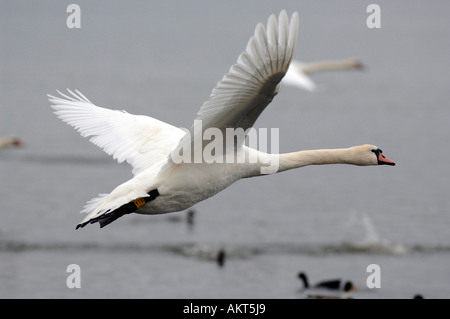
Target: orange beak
[[384, 160]]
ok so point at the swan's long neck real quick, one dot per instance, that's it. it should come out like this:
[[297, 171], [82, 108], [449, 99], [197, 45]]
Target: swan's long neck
[[317, 157], [275, 163], [5, 142], [330, 66]]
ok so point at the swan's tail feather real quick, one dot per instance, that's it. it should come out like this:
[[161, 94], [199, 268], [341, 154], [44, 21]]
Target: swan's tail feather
[[93, 204], [107, 216]]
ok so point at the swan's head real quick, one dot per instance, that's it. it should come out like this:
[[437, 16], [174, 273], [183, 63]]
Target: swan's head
[[16, 142], [10, 141], [356, 64], [370, 155]]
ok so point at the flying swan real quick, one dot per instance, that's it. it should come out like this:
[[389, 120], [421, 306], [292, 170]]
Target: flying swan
[[162, 183]]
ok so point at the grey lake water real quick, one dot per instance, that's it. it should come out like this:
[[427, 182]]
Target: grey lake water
[[162, 59]]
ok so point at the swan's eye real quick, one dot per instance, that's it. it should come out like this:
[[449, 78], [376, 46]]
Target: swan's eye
[[377, 151]]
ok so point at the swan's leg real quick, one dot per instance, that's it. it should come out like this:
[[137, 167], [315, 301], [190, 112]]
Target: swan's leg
[[109, 216]]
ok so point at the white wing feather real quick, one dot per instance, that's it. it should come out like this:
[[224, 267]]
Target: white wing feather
[[139, 140], [250, 85], [252, 82]]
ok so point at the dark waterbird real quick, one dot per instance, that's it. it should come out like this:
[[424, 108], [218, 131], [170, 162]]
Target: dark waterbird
[[333, 284]]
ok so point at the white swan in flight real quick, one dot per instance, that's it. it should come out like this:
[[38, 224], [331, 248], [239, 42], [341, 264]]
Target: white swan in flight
[[162, 183], [297, 74]]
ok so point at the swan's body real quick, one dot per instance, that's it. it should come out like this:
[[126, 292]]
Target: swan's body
[[10, 141], [298, 72], [161, 184]]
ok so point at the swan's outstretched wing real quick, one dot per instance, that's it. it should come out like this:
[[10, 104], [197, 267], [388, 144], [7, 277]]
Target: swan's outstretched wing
[[139, 140], [250, 85]]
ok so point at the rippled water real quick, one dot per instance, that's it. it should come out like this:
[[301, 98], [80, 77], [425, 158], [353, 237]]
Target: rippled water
[[162, 59]]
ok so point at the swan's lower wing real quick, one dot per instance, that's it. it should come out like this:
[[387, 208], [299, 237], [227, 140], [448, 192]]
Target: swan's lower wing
[[250, 85], [139, 140]]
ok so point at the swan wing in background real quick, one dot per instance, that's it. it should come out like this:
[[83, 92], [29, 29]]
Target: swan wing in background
[[297, 78], [140, 140], [298, 73], [250, 85]]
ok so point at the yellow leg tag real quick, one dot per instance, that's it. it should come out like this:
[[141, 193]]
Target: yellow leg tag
[[139, 202]]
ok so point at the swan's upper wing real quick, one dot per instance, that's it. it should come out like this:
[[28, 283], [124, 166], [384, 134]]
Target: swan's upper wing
[[138, 139], [250, 85]]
